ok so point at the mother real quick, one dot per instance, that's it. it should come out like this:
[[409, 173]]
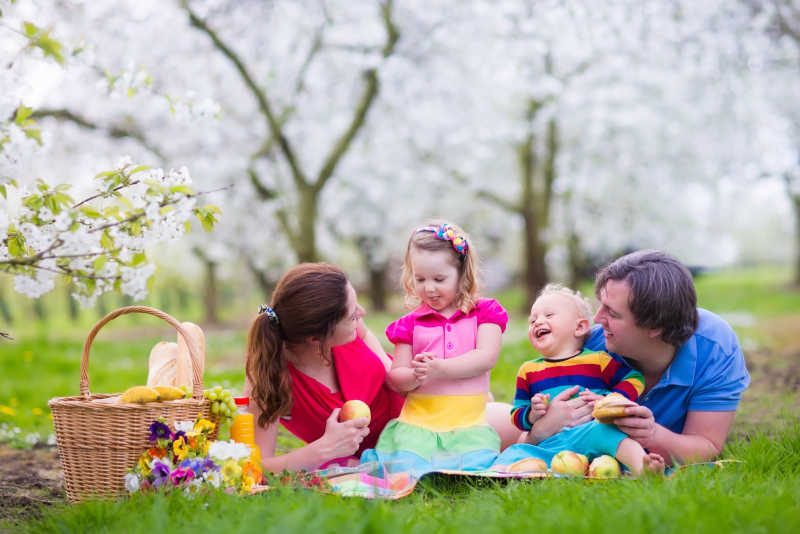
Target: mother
[[308, 353]]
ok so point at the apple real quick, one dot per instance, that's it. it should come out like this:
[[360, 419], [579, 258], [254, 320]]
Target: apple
[[528, 465], [605, 466], [354, 409], [569, 463]]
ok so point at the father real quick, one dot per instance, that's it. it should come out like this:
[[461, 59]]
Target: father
[[693, 367]]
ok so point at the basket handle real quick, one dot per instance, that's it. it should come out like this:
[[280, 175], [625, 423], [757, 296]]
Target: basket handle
[[197, 382]]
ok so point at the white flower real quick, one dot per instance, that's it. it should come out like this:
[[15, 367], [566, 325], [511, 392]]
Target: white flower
[[184, 426], [223, 450], [132, 482], [213, 477]]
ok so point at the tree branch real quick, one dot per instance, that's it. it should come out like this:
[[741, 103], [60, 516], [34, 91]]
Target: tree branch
[[503, 203], [263, 191], [364, 104], [116, 132], [260, 95]]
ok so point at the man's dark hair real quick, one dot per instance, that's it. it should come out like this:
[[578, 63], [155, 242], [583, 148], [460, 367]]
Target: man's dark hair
[[662, 292]]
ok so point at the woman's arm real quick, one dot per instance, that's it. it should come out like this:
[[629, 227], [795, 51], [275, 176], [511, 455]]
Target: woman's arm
[[372, 342], [472, 363], [338, 440], [401, 376]]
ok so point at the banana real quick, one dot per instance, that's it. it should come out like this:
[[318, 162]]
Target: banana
[[140, 394], [168, 393]]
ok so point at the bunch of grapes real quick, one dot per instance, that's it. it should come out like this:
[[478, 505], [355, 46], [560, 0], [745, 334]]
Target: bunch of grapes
[[222, 403]]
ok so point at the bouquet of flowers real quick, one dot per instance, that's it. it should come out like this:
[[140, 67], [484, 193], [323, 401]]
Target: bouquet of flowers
[[186, 458]]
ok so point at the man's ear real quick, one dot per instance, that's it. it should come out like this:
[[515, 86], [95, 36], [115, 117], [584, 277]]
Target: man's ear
[[655, 332], [582, 327]]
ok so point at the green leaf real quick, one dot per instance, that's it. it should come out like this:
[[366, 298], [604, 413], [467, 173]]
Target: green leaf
[[181, 189], [3, 191], [106, 241], [166, 209], [99, 263], [14, 247], [106, 173], [187, 226], [90, 285], [213, 208], [140, 168], [138, 259], [136, 228], [111, 211], [90, 212], [125, 202], [35, 134], [30, 29], [207, 221], [131, 92], [74, 226], [22, 115]]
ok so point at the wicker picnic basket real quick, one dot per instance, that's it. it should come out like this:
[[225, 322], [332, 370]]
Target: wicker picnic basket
[[98, 442]]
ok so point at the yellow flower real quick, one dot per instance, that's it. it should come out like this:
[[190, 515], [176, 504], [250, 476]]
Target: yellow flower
[[231, 470], [7, 411], [144, 464], [37, 411], [180, 449], [202, 425], [247, 483]]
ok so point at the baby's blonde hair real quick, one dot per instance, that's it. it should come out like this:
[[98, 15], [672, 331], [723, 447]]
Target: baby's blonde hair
[[467, 265], [582, 304]]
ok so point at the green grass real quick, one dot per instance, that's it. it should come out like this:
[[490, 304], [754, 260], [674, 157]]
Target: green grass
[[760, 494]]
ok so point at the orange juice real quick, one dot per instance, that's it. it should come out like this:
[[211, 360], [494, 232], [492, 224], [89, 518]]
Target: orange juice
[[243, 429]]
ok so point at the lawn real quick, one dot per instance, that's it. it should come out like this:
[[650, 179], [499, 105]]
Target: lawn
[[762, 493]]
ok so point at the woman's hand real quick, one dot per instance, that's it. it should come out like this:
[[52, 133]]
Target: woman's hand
[[562, 411], [343, 439]]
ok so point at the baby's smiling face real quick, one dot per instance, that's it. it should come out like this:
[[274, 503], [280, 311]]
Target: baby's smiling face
[[555, 327]]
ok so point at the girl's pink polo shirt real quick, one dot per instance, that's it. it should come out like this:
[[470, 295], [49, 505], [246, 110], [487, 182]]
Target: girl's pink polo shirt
[[426, 330]]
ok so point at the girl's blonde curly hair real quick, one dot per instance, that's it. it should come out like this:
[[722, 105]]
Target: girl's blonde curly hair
[[467, 265]]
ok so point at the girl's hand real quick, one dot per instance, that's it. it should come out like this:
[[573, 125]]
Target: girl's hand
[[343, 439], [423, 366]]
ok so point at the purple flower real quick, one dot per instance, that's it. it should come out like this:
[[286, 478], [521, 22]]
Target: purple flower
[[160, 473], [180, 434], [180, 475], [195, 464], [209, 465], [159, 430]]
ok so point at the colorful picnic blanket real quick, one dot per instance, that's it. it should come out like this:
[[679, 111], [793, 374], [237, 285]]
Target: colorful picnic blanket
[[367, 481]]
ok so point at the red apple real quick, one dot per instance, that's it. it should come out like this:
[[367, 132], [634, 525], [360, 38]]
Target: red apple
[[354, 409], [528, 465], [569, 463], [604, 466]]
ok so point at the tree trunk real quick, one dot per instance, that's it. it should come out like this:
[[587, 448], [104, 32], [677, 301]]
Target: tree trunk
[[796, 204], [305, 244], [377, 286], [535, 267], [5, 311], [210, 292]]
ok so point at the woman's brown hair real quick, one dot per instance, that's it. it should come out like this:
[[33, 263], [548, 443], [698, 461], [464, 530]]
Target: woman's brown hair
[[309, 300]]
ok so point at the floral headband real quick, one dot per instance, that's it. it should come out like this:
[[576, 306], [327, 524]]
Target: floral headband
[[271, 315], [446, 232]]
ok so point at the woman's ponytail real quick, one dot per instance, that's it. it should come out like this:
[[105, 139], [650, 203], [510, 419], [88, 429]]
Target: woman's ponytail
[[267, 371]]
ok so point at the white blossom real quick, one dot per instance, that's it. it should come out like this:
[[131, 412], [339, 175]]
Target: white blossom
[[132, 482]]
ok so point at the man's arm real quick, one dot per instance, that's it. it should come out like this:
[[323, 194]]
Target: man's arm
[[702, 438]]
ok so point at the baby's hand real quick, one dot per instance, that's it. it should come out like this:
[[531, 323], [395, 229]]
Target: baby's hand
[[539, 404], [588, 396]]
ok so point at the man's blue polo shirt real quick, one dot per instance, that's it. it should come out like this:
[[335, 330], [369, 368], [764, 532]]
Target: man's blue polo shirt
[[707, 374]]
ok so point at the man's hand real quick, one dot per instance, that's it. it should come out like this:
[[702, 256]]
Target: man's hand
[[639, 424]]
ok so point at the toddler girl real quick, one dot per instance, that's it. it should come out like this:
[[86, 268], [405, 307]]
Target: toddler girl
[[444, 351]]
